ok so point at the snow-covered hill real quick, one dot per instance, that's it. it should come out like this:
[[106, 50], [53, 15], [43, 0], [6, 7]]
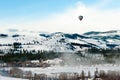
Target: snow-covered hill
[[60, 42]]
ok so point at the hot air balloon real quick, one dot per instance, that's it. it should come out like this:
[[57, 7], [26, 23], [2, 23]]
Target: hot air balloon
[[80, 18]]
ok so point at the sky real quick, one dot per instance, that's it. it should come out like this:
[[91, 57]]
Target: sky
[[60, 15]]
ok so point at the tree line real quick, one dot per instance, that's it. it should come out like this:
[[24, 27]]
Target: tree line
[[22, 54]]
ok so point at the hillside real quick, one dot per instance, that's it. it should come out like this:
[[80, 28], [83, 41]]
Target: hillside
[[58, 41]]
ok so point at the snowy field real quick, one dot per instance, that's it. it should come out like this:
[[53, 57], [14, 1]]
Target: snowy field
[[77, 69], [9, 78], [50, 71]]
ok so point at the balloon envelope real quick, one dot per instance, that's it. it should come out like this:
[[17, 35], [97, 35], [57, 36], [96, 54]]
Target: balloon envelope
[[80, 18]]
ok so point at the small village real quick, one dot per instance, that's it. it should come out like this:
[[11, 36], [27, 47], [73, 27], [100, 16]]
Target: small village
[[16, 70], [98, 75]]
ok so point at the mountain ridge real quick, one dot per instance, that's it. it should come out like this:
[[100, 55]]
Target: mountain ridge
[[59, 41]]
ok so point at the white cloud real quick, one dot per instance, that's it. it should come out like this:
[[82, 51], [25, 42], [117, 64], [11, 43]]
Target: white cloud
[[103, 3], [95, 19]]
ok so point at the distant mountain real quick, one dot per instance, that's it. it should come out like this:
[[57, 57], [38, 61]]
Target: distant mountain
[[58, 41]]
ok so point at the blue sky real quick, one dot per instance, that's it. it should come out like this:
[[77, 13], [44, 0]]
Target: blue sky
[[16, 13], [35, 8]]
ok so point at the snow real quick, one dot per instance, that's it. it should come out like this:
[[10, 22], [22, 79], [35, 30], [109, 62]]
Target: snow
[[69, 69], [34, 61], [55, 61], [107, 33], [51, 71], [99, 43], [10, 78], [76, 41], [53, 43], [113, 41], [32, 40], [92, 41]]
